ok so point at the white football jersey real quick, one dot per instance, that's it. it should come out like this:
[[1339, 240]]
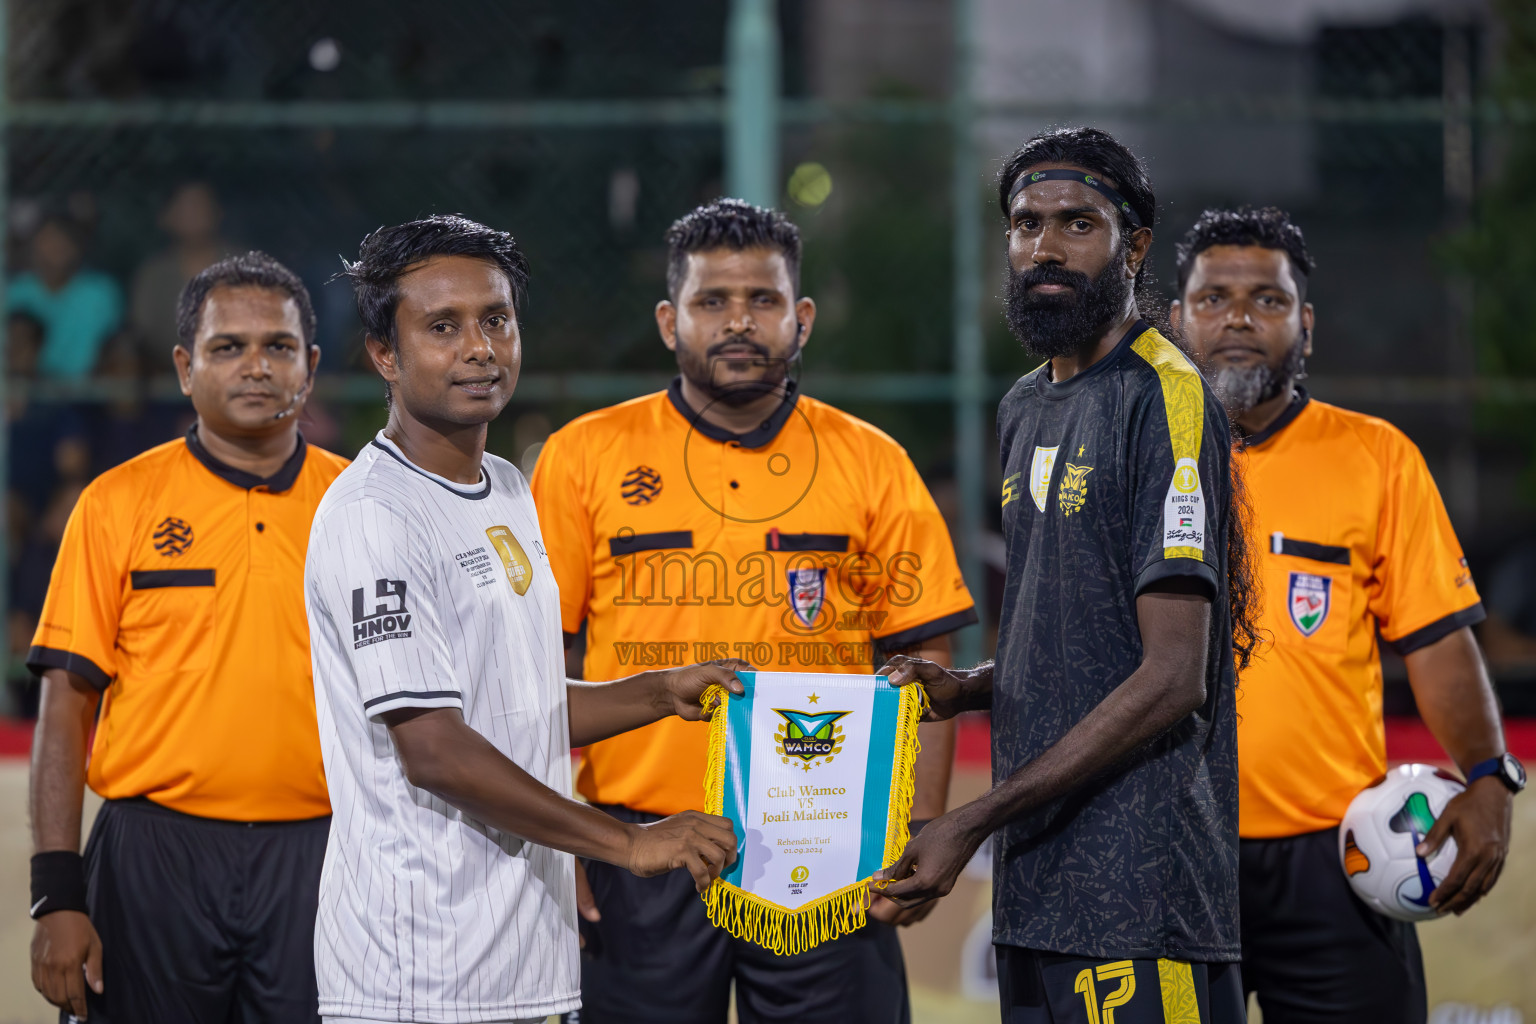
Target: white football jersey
[[423, 593]]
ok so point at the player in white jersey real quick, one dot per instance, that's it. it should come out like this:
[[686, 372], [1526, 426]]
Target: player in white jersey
[[445, 717]]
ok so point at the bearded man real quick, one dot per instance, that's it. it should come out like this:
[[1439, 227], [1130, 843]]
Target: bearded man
[[1114, 750], [1356, 545], [733, 512]]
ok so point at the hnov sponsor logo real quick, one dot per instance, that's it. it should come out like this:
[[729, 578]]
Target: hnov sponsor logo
[[387, 620]]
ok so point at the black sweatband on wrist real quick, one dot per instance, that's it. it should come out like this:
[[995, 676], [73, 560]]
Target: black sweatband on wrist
[[58, 882], [917, 825]]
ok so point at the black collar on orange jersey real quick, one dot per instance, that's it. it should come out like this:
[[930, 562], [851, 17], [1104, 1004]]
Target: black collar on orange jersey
[[1299, 400], [276, 483], [765, 432]]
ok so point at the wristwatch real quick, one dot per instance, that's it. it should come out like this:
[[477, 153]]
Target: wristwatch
[[1506, 767]]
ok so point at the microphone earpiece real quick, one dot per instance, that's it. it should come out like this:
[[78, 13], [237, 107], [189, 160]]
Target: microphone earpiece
[[298, 399]]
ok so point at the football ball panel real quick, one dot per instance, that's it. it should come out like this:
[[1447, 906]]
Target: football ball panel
[[1378, 835]]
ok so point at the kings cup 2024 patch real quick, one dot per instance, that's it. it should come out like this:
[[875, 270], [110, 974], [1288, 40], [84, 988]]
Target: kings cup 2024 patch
[[1184, 512], [1308, 600]]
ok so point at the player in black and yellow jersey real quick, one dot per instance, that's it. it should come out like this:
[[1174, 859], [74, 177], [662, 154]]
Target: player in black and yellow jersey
[[1112, 698], [1356, 546], [175, 622]]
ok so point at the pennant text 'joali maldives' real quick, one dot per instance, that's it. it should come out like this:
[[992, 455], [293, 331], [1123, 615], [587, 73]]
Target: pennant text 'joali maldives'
[[815, 771]]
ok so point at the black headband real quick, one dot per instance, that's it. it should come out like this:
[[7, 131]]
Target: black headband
[[1062, 174]]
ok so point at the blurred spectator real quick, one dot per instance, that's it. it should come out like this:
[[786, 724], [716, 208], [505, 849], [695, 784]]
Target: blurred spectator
[[49, 466], [24, 334], [79, 308], [1509, 633], [32, 565], [126, 424], [192, 219], [46, 439]]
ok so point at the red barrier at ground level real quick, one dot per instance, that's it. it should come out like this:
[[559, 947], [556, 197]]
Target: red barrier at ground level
[[1408, 739], [15, 737]]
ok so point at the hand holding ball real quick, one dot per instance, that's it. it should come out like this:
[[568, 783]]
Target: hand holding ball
[[1379, 833]]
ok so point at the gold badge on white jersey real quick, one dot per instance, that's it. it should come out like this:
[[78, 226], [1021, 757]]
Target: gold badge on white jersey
[[513, 558], [1040, 468]]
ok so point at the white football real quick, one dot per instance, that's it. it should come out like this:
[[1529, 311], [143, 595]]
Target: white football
[[1378, 835]]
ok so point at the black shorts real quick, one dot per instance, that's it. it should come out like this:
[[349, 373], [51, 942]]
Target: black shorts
[[203, 920], [1311, 949], [654, 957], [1052, 988]]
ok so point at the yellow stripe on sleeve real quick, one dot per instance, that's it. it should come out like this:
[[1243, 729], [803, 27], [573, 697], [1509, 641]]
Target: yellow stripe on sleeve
[[1177, 980], [1184, 405]]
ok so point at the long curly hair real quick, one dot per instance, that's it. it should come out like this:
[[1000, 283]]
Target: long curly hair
[[1245, 590]]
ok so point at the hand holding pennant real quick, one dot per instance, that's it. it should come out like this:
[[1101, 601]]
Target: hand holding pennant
[[815, 771], [932, 861]]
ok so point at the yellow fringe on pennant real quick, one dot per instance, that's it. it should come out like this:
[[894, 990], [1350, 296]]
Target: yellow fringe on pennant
[[780, 929], [914, 704], [714, 768]]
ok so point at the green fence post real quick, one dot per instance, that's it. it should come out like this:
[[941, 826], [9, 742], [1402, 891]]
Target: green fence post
[[970, 357], [752, 102], [5, 377]]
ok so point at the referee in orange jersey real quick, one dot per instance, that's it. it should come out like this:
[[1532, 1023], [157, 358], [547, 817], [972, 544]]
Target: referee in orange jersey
[[733, 516], [175, 623], [1356, 544]]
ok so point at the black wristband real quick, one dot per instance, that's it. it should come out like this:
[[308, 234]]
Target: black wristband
[[916, 825], [58, 882]]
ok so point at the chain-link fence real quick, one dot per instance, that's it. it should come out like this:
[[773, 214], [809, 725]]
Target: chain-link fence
[[144, 137]]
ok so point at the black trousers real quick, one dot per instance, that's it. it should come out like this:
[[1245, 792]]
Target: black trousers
[[654, 957], [203, 921], [1052, 988], [1312, 950]]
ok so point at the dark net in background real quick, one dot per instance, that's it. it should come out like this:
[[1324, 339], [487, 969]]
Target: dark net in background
[[149, 137]]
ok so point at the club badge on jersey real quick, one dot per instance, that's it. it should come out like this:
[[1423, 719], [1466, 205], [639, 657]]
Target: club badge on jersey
[[513, 558], [1308, 600], [807, 593], [1040, 468], [1073, 493]]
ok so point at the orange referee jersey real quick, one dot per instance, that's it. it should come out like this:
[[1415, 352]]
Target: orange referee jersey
[[179, 591], [1354, 540], [808, 545]]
